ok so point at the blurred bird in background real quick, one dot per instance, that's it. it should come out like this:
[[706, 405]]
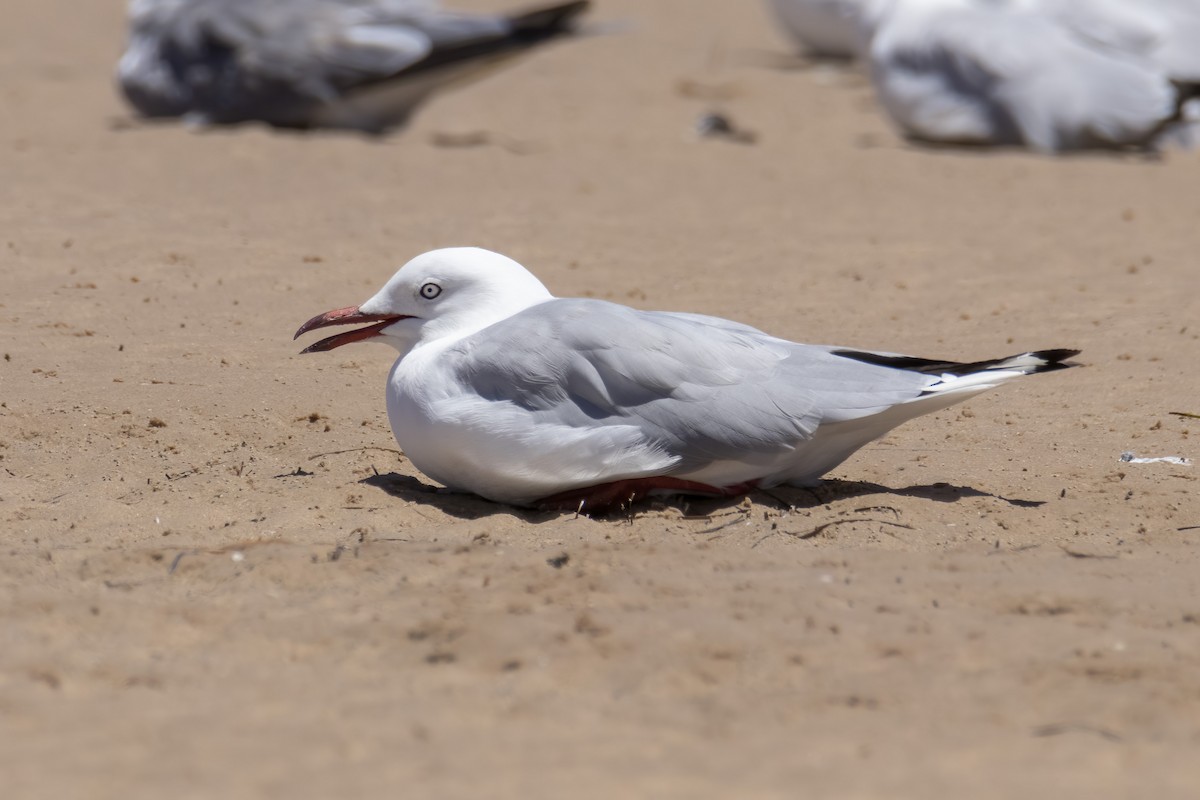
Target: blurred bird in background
[[1050, 75], [822, 28], [357, 64]]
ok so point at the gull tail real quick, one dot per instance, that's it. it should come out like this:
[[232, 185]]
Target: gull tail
[[982, 375], [972, 377], [951, 383]]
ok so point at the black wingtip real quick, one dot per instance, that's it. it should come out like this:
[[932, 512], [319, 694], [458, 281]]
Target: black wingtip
[[1055, 359], [547, 21], [1031, 362]]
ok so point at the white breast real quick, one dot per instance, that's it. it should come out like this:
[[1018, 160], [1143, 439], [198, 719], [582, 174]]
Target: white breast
[[497, 449]]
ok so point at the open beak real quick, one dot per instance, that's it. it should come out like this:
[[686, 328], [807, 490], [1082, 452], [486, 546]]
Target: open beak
[[345, 316]]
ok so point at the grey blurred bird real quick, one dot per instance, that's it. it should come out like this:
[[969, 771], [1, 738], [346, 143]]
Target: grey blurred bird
[[1050, 75], [359, 64], [822, 28]]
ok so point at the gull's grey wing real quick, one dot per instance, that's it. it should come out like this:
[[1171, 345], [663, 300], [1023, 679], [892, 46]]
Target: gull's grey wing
[[287, 61], [698, 388], [461, 47], [990, 75]]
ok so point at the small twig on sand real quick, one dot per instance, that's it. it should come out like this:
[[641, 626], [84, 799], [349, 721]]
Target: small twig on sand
[[354, 450], [1059, 728], [743, 518], [1078, 554], [817, 531], [299, 473], [865, 509], [1020, 549], [178, 557]]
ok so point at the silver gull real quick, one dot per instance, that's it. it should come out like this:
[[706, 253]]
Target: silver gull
[[505, 391]]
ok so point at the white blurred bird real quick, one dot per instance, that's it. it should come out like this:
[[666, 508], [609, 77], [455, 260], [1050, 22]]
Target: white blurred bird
[[360, 64], [1165, 33], [505, 391], [1051, 75], [823, 28]]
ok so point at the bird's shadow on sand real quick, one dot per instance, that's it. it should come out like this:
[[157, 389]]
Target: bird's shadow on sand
[[467, 506]]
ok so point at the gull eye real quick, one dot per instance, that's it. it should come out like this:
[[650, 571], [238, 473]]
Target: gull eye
[[430, 291]]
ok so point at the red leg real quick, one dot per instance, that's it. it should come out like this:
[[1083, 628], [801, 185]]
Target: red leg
[[604, 496]]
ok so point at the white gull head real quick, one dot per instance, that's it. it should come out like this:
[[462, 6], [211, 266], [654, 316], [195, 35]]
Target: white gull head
[[443, 294]]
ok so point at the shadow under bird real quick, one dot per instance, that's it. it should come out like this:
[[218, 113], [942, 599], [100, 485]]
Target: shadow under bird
[[356, 64], [507, 392]]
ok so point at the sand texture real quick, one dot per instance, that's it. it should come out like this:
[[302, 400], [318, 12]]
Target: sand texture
[[220, 578]]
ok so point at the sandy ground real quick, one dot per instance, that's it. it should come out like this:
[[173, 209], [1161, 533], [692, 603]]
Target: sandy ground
[[220, 579]]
